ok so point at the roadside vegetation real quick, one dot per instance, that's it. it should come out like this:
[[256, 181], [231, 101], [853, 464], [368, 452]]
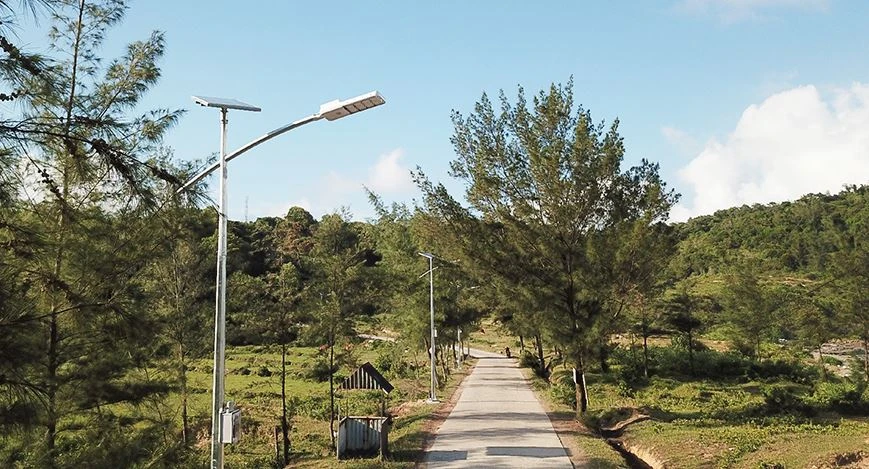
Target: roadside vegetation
[[733, 413], [742, 335]]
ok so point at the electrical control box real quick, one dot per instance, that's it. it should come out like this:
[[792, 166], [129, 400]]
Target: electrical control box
[[230, 423]]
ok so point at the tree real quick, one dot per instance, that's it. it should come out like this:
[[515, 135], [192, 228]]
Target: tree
[[180, 288], [340, 251], [850, 268], [97, 172], [751, 307], [284, 319], [681, 311], [545, 189]]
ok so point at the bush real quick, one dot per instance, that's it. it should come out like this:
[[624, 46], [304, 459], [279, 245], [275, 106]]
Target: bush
[[629, 377], [562, 388], [312, 406], [264, 371], [675, 360], [244, 371], [389, 360], [529, 360], [319, 371], [840, 397], [791, 370], [783, 399]]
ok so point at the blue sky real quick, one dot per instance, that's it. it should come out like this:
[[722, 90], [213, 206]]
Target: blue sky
[[740, 101]]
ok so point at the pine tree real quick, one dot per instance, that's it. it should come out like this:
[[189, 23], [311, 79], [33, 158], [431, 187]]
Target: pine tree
[[97, 169], [546, 190]]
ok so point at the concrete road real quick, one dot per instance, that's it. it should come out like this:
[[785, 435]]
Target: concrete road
[[497, 423]]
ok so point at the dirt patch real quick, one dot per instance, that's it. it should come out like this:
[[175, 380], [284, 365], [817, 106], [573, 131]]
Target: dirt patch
[[618, 428], [567, 427], [843, 350], [854, 460]]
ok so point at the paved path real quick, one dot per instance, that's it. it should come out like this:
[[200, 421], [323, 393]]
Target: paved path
[[497, 423]]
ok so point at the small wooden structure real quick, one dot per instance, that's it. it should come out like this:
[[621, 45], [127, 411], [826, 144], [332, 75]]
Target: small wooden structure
[[365, 434]]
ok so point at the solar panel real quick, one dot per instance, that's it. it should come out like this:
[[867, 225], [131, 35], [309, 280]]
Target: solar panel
[[227, 103]]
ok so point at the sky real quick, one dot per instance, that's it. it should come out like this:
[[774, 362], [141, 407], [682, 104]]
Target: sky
[[740, 101]]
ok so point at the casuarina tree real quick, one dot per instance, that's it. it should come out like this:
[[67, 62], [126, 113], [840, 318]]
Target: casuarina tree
[[545, 187]]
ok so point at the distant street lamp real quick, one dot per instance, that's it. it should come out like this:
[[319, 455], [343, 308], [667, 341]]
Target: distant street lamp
[[432, 397], [330, 111]]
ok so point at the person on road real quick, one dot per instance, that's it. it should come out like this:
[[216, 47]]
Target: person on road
[[507, 352]]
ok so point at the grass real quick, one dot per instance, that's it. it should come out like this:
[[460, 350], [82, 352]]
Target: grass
[[713, 422], [492, 337], [709, 423], [594, 451], [253, 382]]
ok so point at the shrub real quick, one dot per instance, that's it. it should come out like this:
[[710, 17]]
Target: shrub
[[264, 371], [791, 370], [782, 399], [562, 388], [319, 371], [529, 360], [630, 376], [244, 371], [313, 406], [840, 397], [390, 360]]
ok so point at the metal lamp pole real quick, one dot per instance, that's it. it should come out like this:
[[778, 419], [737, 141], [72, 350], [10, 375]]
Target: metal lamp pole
[[330, 111], [434, 377]]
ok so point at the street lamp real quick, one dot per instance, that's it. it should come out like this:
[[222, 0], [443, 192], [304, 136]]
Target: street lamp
[[330, 111], [432, 397]]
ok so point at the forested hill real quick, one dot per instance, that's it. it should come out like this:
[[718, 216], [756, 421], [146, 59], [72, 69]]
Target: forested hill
[[801, 237]]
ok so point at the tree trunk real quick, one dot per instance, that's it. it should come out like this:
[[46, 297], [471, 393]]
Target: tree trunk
[[581, 388], [185, 424], [541, 360], [866, 353], [691, 352], [645, 354], [604, 355], [285, 424], [821, 363], [444, 364], [455, 354], [53, 333], [332, 387], [757, 348], [278, 462], [521, 345]]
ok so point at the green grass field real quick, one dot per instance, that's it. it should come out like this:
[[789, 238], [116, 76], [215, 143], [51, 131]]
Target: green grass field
[[707, 423], [253, 382]]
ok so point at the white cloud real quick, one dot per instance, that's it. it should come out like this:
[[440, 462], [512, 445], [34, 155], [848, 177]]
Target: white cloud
[[793, 143], [731, 11], [679, 139], [388, 175]]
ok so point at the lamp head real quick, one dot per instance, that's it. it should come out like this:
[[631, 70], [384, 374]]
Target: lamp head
[[337, 109]]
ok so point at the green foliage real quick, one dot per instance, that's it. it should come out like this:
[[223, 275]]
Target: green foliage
[[562, 389], [840, 397], [552, 215], [529, 360], [320, 370], [784, 399], [391, 361]]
